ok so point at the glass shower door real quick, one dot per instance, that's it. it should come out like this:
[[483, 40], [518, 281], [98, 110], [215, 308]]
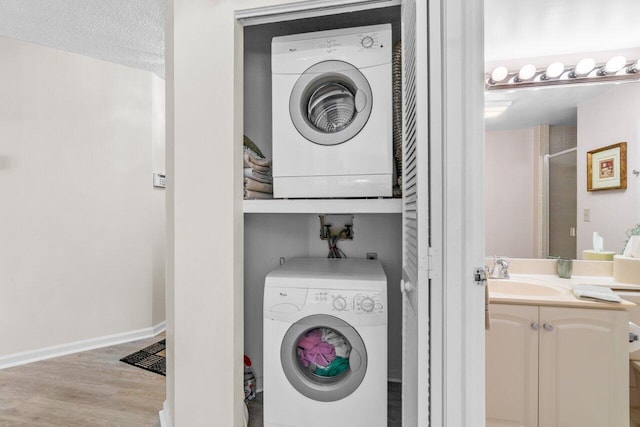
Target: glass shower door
[[561, 203]]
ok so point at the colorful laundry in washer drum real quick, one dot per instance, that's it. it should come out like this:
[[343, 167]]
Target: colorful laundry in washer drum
[[335, 368], [324, 352], [338, 341], [312, 350]]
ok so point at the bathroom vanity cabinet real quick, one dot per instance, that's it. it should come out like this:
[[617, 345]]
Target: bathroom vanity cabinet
[[556, 366]]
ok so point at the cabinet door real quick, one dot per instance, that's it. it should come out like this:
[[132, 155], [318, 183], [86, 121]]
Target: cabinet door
[[512, 366], [583, 367]]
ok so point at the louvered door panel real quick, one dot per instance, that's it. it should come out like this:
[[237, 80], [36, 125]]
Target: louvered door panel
[[415, 225]]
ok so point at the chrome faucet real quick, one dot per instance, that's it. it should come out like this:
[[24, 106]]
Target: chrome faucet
[[500, 269]]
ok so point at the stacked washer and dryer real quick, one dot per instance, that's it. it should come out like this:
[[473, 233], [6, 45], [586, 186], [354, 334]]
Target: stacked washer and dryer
[[325, 320], [325, 344]]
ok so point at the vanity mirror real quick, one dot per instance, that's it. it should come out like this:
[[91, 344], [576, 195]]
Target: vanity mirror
[[537, 203], [556, 90]]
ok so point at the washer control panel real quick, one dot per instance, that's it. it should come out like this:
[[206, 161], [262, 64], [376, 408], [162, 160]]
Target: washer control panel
[[362, 302]]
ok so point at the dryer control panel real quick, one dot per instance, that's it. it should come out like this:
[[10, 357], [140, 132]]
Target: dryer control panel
[[358, 41], [360, 302], [360, 46]]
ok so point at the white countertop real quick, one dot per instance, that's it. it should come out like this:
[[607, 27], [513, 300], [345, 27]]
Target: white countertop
[[564, 296], [607, 281]]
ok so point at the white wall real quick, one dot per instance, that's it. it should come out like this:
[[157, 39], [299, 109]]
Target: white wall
[[204, 214], [77, 221], [158, 201], [167, 415], [509, 193], [608, 119], [271, 236]]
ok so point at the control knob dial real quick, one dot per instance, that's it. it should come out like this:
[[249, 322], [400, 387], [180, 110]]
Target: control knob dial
[[367, 304], [339, 303], [367, 42]]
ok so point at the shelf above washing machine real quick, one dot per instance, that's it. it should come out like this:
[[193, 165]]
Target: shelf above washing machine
[[352, 206]]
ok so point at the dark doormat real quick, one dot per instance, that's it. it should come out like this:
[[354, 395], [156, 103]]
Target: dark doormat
[[151, 358]]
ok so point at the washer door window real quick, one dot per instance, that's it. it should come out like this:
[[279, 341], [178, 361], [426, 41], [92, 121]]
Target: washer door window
[[330, 103], [323, 357]]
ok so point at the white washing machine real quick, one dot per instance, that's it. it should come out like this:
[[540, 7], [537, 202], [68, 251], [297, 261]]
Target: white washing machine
[[325, 344], [332, 113]]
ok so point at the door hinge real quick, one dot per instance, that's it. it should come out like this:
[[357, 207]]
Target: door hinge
[[432, 256], [479, 276]]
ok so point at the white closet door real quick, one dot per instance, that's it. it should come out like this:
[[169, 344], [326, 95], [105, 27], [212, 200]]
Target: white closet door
[[456, 148], [443, 231], [415, 216]]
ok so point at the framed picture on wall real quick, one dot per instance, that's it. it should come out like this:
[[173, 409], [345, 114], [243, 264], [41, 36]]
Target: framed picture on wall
[[607, 168]]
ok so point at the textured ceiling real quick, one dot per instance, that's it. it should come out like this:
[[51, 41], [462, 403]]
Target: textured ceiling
[[128, 32], [131, 32]]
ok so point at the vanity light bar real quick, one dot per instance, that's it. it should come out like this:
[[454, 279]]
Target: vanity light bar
[[586, 71]]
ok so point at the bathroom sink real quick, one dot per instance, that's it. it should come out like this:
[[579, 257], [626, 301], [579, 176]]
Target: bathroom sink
[[508, 287]]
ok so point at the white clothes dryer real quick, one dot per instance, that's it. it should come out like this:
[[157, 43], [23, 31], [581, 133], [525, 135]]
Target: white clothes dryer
[[325, 344], [332, 113]]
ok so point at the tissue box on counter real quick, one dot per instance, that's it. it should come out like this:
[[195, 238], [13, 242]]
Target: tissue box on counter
[[633, 247], [592, 255], [597, 253], [626, 269]]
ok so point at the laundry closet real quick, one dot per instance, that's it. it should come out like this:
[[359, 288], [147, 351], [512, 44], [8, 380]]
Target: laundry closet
[[281, 229], [429, 241]]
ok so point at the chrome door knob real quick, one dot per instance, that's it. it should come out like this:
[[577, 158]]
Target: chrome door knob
[[547, 327], [535, 326]]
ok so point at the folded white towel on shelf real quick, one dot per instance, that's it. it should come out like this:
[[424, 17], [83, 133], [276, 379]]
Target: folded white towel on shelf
[[258, 176], [258, 158], [248, 194], [251, 160], [595, 292], [253, 185]]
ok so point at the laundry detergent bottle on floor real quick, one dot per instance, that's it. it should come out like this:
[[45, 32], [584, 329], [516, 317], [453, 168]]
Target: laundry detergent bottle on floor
[[249, 380]]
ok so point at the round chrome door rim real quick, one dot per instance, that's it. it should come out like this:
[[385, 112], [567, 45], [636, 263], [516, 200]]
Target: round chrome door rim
[[323, 389], [319, 75]]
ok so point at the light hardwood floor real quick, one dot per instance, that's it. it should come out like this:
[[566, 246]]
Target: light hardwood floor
[[92, 388]]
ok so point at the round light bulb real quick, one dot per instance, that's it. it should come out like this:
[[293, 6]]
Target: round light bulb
[[615, 64], [527, 72], [499, 74], [554, 70], [585, 66]]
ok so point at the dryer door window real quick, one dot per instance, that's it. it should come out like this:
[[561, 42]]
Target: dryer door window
[[331, 107], [330, 103], [323, 357]]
